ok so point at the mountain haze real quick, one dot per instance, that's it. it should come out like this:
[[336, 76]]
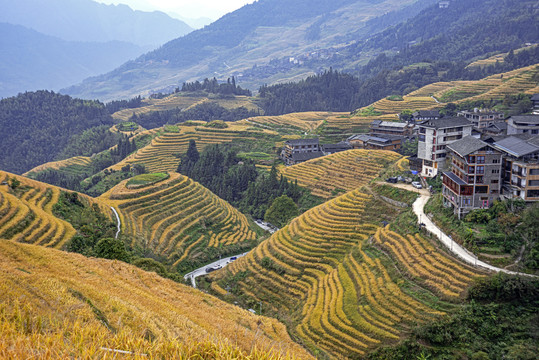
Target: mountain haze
[[86, 20], [252, 35], [30, 60]]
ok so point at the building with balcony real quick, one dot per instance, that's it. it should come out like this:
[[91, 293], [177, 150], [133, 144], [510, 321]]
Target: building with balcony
[[482, 119], [520, 166], [475, 178], [379, 127], [523, 124], [434, 137]]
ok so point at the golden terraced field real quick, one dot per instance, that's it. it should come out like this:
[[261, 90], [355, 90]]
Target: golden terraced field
[[178, 218], [26, 214], [344, 171], [319, 273], [57, 305]]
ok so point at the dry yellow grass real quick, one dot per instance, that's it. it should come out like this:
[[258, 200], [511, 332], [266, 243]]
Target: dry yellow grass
[[57, 305], [330, 175]]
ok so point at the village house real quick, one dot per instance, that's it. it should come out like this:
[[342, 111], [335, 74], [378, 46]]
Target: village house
[[423, 115], [379, 127], [300, 150], [475, 178], [520, 166], [482, 119], [329, 149], [371, 142], [434, 136], [523, 124], [497, 129]]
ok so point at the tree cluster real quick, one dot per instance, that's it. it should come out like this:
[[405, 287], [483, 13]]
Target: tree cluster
[[212, 86], [37, 126]]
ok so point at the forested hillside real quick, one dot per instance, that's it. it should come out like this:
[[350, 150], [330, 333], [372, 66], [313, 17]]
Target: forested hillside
[[36, 126]]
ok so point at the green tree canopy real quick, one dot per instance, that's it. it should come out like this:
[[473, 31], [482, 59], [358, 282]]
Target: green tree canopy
[[110, 248], [281, 211]]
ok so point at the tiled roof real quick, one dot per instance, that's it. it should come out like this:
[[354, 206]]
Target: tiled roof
[[446, 122], [301, 142], [467, 145], [516, 146]]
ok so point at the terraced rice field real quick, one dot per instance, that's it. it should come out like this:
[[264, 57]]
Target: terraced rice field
[[175, 101], [163, 154], [408, 103], [344, 171], [305, 121], [178, 218], [421, 260], [341, 298], [26, 216], [71, 166]]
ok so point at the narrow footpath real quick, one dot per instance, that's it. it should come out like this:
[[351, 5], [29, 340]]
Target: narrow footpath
[[465, 255]]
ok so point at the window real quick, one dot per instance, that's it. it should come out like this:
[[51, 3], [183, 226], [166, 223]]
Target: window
[[480, 159], [494, 181], [467, 202], [471, 170], [533, 182], [534, 171], [481, 189], [479, 179], [496, 171], [471, 159], [533, 193], [422, 138], [495, 161], [480, 169]]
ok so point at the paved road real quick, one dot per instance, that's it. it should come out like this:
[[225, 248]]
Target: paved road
[[117, 221], [202, 270], [266, 226], [418, 208]]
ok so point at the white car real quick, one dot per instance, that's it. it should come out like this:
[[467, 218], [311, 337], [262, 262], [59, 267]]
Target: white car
[[417, 184]]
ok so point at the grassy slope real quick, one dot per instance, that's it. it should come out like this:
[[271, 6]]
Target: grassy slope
[[62, 305]]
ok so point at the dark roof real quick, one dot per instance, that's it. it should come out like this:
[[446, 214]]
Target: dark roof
[[500, 126], [467, 145], [389, 124], [535, 97], [427, 113], [339, 146], [534, 140], [526, 119], [301, 142], [455, 178], [383, 138], [304, 156], [516, 146], [446, 122]]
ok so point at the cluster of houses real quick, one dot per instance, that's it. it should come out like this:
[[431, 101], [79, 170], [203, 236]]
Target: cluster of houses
[[480, 155]]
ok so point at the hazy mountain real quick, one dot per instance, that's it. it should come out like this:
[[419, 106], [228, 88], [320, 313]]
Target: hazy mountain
[[30, 60], [267, 30], [86, 20], [197, 23]]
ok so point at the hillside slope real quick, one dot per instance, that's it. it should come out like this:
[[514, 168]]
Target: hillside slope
[[180, 221], [62, 305], [252, 35]]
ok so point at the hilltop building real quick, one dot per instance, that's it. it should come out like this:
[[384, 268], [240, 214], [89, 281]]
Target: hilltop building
[[523, 124], [482, 118], [379, 127], [434, 136], [300, 150], [475, 178]]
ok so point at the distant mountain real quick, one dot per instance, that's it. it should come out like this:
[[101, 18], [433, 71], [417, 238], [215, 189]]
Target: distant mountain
[[197, 23], [30, 60], [267, 31], [86, 20]]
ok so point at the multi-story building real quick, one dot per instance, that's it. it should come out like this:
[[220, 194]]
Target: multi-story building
[[523, 124], [520, 166], [379, 127], [434, 136], [482, 119], [475, 178], [535, 102], [300, 150]]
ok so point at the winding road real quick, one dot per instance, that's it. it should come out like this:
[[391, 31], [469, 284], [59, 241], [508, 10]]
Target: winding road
[[117, 221], [202, 270], [465, 255]]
